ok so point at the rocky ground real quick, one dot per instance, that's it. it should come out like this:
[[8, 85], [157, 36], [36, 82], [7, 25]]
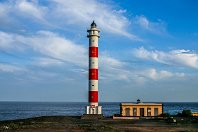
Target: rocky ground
[[75, 124]]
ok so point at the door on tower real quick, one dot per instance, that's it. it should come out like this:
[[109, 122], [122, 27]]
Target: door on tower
[[92, 111]]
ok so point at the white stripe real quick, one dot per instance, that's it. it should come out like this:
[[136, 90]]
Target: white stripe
[[93, 85], [93, 41], [93, 63], [96, 104]]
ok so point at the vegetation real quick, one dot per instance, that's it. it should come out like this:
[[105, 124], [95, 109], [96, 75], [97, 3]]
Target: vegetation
[[185, 113], [165, 115]]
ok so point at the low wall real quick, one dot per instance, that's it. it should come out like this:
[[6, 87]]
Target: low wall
[[122, 117]]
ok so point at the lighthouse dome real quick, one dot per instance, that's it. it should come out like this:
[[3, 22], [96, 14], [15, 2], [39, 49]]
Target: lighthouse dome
[[93, 25]]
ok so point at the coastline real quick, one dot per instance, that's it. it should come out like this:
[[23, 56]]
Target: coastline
[[76, 124]]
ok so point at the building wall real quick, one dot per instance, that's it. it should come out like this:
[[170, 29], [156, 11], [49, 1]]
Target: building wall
[[138, 106], [195, 114]]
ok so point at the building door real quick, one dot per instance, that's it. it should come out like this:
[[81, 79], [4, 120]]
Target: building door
[[155, 111], [134, 111], [142, 112], [148, 111], [127, 111]]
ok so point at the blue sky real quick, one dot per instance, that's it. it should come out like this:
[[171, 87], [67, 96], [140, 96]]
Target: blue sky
[[147, 50]]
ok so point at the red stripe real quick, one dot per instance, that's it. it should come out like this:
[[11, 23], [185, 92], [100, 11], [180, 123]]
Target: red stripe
[[93, 74], [93, 51], [93, 96]]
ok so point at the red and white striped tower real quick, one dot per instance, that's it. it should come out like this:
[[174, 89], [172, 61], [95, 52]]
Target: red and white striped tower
[[93, 35]]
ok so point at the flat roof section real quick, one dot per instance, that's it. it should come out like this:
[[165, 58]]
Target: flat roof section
[[143, 104]]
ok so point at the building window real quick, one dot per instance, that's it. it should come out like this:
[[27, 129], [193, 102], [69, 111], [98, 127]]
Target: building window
[[134, 111], [127, 111], [92, 40], [92, 85], [155, 111], [148, 111]]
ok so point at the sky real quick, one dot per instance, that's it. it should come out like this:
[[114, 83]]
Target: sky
[[148, 50]]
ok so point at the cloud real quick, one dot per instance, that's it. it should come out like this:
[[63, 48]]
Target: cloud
[[50, 49], [47, 62], [113, 69], [45, 43], [12, 15], [4, 14], [182, 58], [11, 68], [112, 62], [158, 75], [67, 15], [5, 40], [30, 9], [84, 11], [158, 27], [56, 46], [120, 11]]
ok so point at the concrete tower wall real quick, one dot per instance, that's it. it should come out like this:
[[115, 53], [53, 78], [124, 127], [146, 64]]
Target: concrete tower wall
[[93, 35], [93, 85], [93, 41], [93, 63]]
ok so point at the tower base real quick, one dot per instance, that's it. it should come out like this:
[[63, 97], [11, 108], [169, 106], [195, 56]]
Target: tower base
[[93, 110], [92, 116]]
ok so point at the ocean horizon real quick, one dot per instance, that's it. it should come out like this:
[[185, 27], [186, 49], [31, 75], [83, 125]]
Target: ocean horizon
[[11, 110]]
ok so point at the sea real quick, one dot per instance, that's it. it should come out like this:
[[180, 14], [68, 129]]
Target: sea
[[22, 110]]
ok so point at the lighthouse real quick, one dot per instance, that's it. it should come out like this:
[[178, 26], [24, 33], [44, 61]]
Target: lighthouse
[[93, 35]]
